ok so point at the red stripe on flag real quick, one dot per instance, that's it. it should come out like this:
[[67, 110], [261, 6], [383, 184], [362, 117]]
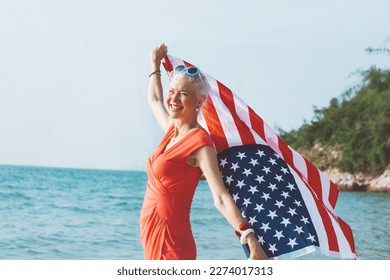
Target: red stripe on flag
[[327, 223], [333, 194], [286, 152], [214, 125], [167, 64], [187, 64], [256, 123], [314, 179], [348, 234], [331, 234], [244, 131]]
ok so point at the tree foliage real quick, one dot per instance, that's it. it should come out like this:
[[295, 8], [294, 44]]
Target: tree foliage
[[358, 123]]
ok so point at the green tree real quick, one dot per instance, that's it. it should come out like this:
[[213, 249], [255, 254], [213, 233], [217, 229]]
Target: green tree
[[358, 123]]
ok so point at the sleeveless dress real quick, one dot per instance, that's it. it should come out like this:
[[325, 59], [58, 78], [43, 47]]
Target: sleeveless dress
[[165, 215]]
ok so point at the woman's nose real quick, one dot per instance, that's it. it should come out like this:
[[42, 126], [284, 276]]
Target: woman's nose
[[175, 96]]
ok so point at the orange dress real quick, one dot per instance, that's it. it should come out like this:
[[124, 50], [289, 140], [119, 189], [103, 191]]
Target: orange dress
[[165, 215]]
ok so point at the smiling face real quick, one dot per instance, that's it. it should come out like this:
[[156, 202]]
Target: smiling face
[[183, 99]]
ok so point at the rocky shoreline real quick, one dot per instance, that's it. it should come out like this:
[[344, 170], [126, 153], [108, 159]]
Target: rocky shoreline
[[326, 157], [360, 182]]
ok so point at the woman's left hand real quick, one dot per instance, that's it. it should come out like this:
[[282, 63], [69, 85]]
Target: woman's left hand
[[257, 252]]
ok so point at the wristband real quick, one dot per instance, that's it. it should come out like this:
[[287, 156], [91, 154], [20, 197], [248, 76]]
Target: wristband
[[245, 234], [155, 72], [243, 226]]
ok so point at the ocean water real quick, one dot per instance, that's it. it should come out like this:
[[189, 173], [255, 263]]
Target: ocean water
[[55, 213]]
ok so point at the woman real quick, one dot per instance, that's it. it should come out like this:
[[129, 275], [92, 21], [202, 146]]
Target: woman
[[175, 167]]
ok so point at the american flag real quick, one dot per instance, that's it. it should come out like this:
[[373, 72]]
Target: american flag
[[288, 201]]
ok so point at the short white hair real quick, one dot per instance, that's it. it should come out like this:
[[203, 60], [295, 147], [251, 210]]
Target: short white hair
[[199, 81]]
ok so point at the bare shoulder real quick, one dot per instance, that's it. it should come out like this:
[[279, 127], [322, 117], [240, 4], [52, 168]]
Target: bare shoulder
[[205, 156], [205, 151]]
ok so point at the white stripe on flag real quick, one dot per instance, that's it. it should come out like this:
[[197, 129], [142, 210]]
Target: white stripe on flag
[[243, 113], [226, 119], [325, 191], [202, 121], [344, 248], [272, 139], [175, 61], [299, 163]]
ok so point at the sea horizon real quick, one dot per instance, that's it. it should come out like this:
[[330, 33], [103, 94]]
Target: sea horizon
[[73, 167]]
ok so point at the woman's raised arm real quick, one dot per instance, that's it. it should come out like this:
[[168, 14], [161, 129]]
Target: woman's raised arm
[[155, 90]]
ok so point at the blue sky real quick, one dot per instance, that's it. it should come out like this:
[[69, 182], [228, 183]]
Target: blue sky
[[74, 74]]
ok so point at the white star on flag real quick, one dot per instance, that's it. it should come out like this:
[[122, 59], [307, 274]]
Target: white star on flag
[[265, 227], [223, 162], [297, 203], [236, 197], [290, 186], [240, 184], [261, 240], [254, 162], [279, 234], [292, 242], [304, 220], [278, 177], [285, 194], [284, 170], [279, 204], [234, 166], [229, 179], [260, 153], [253, 189], [285, 221], [272, 214], [265, 196], [266, 169], [247, 172], [272, 161], [260, 179], [252, 220], [272, 248], [298, 229], [311, 238], [246, 202], [241, 155], [272, 187], [291, 211], [258, 208]]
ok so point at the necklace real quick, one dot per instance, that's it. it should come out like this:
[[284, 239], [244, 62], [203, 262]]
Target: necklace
[[178, 137]]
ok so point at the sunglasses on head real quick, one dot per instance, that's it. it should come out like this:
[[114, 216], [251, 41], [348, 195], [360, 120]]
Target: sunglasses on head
[[189, 71]]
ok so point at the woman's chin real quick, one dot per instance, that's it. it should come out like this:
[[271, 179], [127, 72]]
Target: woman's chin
[[174, 115]]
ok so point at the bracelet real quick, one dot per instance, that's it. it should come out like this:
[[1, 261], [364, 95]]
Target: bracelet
[[155, 72], [245, 234], [243, 226]]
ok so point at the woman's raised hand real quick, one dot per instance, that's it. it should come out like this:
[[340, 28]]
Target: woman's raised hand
[[158, 54]]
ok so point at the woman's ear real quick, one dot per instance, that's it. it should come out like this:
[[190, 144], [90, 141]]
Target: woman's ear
[[201, 99]]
